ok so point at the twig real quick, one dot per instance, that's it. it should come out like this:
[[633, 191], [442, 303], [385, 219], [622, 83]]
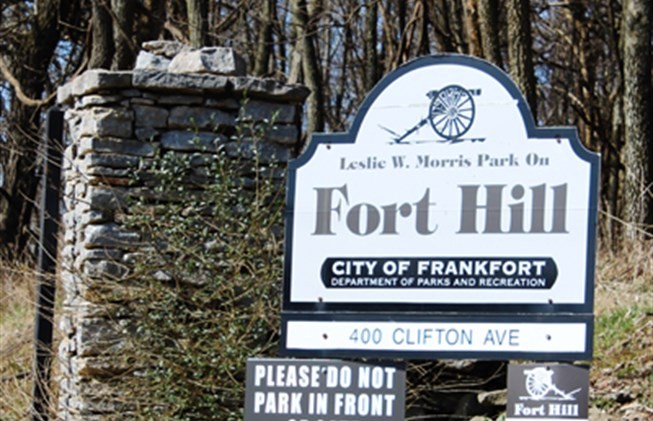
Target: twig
[[17, 376], [623, 222]]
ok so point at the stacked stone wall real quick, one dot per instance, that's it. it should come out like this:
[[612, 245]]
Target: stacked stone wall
[[117, 122]]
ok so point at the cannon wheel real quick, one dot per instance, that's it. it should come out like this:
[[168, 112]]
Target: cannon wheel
[[537, 385], [452, 112]]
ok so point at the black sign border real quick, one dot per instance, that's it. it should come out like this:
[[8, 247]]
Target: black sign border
[[533, 132]]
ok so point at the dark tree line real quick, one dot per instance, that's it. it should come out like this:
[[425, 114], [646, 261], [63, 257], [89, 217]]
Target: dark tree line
[[578, 62]]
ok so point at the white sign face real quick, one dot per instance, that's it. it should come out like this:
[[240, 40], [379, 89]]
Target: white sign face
[[442, 337], [444, 196]]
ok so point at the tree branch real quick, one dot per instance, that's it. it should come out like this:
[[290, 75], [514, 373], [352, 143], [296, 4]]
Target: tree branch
[[175, 32], [30, 102]]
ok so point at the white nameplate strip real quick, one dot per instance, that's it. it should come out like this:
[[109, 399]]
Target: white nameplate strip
[[438, 336]]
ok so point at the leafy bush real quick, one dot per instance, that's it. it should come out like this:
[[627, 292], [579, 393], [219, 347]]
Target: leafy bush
[[207, 286]]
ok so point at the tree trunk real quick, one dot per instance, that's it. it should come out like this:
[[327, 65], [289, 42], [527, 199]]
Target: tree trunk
[[20, 153], [264, 47], [488, 16], [472, 30], [401, 56], [311, 70], [297, 36], [442, 27], [337, 120], [279, 30], [613, 159], [151, 20], [457, 16], [102, 39], [197, 11], [123, 30], [636, 30], [423, 47], [582, 53], [371, 39], [520, 50]]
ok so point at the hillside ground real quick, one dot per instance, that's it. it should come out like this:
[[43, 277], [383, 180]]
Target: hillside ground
[[621, 373]]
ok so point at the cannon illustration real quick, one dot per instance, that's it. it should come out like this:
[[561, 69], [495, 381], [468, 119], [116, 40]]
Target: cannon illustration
[[451, 114], [539, 382]]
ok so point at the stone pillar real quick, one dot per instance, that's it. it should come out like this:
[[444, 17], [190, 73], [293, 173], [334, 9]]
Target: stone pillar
[[177, 100]]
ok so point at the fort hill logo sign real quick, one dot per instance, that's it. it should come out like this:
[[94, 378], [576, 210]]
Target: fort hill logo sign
[[443, 224]]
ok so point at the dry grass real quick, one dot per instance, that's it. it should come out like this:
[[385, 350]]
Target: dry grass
[[626, 276], [622, 370], [17, 292]]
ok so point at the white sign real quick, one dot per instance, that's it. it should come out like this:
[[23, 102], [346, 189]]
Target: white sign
[[444, 196], [417, 337]]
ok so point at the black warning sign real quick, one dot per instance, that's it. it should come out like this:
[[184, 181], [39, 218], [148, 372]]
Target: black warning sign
[[312, 390]]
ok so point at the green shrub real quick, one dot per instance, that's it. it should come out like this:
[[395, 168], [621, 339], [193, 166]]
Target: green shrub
[[205, 291]]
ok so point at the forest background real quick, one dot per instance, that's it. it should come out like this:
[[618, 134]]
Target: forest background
[[582, 63]]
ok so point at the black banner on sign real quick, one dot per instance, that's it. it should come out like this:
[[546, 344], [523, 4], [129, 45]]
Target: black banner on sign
[[316, 390], [440, 272]]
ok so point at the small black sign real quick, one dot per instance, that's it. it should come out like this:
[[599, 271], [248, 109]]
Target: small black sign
[[312, 390], [547, 391]]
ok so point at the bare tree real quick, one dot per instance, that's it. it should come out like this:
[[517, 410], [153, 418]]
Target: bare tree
[[457, 16], [123, 29], [197, 11], [264, 47], [102, 36], [423, 45], [295, 74], [638, 194], [442, 28], [310, 67], [520, 50], [370, 45], [340, 49], [28, 73], [150, 20], [472, 28], [488, 17]]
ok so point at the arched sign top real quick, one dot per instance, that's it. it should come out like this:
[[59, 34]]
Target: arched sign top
[[443, 202], [472, 80], [447, 98]]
